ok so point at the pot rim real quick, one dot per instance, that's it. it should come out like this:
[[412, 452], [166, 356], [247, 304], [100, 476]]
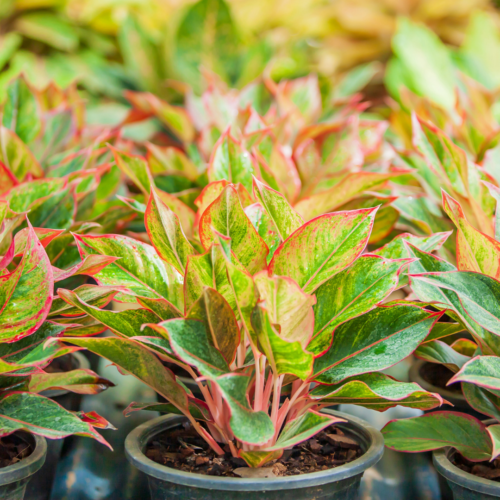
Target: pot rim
[[453, 397], [29, 465], [452, 473], [143, 433]]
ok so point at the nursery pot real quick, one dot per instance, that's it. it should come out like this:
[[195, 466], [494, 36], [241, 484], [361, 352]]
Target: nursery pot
[[13, 479], [464, 486], [40, 486], [341, 483]]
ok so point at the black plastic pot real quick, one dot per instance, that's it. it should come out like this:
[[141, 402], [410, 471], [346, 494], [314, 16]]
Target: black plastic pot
[[464, 486], [40, 486], [341, 483], [13, 479]]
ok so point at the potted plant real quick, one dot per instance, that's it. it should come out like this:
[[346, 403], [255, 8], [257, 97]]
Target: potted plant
[[27, 416], [470, 295], [245, 321]]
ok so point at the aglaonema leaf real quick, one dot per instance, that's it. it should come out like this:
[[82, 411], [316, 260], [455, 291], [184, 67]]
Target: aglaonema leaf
[[98, 296], [230, 162], [288, 306], [377, 391], [42, 416], [284, 356], [219, 320], [139, 269], [478, 294], [26, 293], [126, 323], [139, 362], [302, 428], [475, 251], [134, 167], [20, 111], [437, 351], [285, 218], [483, 371], [437, 430], [166, 234], [264, 225], [374, 341], [352, 292], [226, 216], [16, 156], [80, 381], [323, 247]]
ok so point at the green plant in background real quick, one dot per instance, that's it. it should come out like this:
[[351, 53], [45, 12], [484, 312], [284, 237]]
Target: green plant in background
[[140, 43], [469, 294]]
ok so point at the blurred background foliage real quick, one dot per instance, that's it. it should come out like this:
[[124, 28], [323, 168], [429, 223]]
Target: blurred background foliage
[[149, 45]]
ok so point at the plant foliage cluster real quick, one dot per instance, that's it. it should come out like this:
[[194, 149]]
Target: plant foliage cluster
[[281, 245]]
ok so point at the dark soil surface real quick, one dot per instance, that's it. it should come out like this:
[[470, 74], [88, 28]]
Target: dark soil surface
[[184, 450], [13, 448], [487, 470], [63, 364], [439, 375]]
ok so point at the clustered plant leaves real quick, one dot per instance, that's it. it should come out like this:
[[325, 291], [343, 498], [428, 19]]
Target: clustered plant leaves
[[282, 246]]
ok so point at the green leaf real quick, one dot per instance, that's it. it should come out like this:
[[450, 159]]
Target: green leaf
[[139, 362], [437, 430], [302, 428], [135, 168], [374, 341], [350, 293], [98, 296], [377, 391], [16, 156], [288, 306], [126, 323], [206, 37], [26, 293], [219, 320], [264, 225], [79, 381], [323, 247], [20, 111], [482, 400], [478, 294], [346, 190], [442, 330], [483, 371], [57, 211], [285, 218], [420, 52], [396, 248], [230, 162], [284, 356], [208, 269], [166, 234], [439, 352], [42, 416], [161, 307], [475, 251], [139, 269], [226, 215]]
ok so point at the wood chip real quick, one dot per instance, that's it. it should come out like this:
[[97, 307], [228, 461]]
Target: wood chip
[[342, 441]]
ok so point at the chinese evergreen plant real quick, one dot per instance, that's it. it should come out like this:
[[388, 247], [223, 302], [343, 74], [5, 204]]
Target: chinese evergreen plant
[[470, 295], [245, 320]]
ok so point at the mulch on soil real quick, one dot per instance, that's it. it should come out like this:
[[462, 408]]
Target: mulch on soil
[[487, 470], [185, 450]]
